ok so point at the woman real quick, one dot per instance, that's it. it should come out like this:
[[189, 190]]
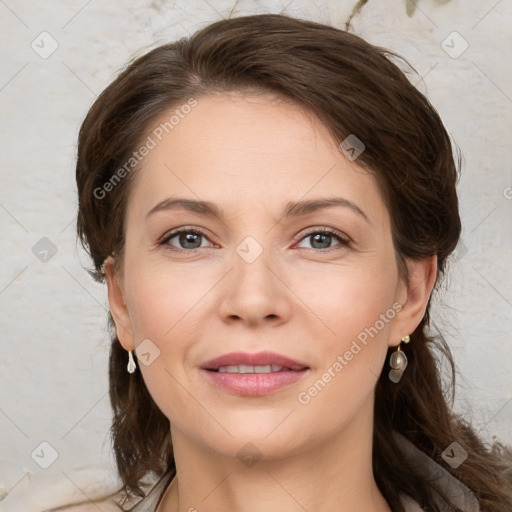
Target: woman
[[273, 197]]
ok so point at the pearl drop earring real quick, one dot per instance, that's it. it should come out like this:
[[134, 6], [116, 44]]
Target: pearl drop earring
[[398, 362]]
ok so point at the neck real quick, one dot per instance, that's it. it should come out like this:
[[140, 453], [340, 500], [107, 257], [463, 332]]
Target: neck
[[332, 475]]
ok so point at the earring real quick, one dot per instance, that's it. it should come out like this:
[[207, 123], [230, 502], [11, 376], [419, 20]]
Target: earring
[[131, 363], [398, 362]]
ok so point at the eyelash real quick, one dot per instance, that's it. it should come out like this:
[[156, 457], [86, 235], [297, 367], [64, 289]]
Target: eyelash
[[324, 231]]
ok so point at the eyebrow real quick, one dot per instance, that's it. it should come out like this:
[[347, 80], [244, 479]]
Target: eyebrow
[[291, 209]]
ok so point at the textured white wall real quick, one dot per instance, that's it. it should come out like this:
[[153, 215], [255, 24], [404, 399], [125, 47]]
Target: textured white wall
[[53, 362]]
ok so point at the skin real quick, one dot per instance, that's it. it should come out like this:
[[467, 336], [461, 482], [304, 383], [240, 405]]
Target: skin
[[250, 155]]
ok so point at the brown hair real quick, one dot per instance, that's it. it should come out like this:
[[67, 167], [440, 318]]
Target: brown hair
[[354, 88]]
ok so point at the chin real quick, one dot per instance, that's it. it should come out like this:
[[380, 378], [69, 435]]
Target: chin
[[253, 439]]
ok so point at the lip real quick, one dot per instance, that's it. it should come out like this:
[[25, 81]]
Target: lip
[[257, 359], [254, 384]]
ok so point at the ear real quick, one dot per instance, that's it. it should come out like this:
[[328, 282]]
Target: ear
[[413, 297], [118, 306]]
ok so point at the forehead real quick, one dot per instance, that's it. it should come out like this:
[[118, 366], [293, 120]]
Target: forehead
[[250, 149]]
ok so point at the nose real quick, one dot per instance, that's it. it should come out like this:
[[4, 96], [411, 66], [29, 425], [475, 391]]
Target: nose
[[256, 291]]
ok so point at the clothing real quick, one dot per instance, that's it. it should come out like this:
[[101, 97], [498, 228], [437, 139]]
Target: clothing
[[459, 494], [152, 500]]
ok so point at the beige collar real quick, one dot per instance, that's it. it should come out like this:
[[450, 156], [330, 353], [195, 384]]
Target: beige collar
[[460, 495]]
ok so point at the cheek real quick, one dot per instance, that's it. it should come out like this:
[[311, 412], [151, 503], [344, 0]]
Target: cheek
[[166, 310], [354, 304], [356, 312], [347, 299], [162, 304]]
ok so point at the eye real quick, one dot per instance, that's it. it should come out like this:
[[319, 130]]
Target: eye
[[321, 238], [189, 239]]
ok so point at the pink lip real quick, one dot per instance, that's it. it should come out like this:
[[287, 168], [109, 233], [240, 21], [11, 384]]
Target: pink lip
[[258, 359], [254, 384]]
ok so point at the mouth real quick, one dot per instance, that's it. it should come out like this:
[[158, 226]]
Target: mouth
[[253, 374], [260, 362], [245, 368]]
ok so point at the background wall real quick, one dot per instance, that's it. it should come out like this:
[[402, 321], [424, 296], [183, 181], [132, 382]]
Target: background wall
[[58, 57]]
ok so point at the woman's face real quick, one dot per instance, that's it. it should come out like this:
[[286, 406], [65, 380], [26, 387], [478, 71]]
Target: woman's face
[[256, 279]]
